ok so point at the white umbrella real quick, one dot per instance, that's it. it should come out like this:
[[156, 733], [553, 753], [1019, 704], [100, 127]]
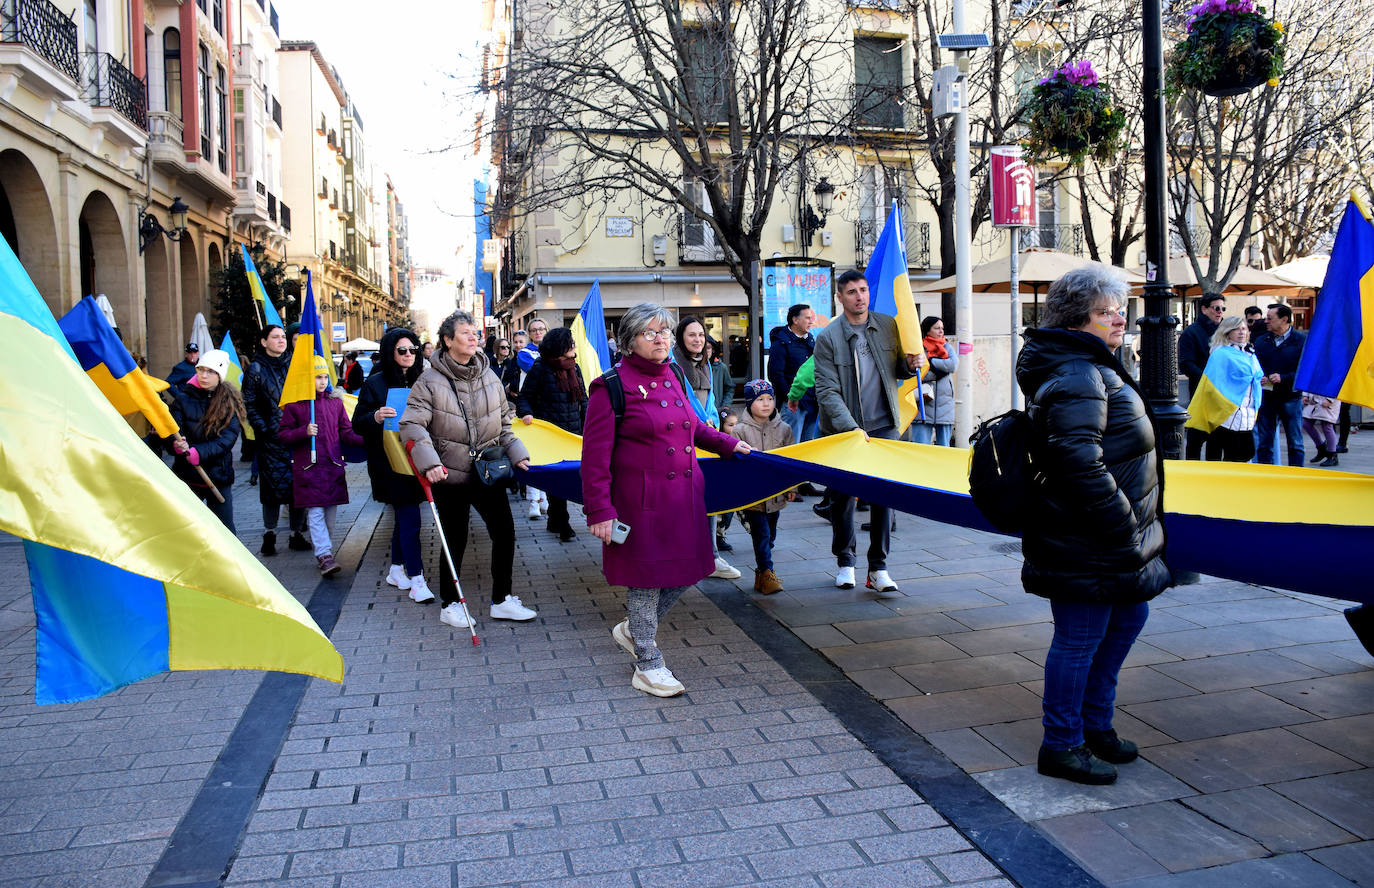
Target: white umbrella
[[200, 333], [1309, 271], [361, 345]]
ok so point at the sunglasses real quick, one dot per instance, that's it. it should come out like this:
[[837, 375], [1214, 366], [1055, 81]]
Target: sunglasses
[[407, 350], [504, 348]]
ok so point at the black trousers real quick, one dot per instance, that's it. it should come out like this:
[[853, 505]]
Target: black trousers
[[558, 515], [1230, 446], [455, 503], [1193, 439]]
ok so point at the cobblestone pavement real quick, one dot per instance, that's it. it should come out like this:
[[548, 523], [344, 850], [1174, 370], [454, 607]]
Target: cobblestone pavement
[[530, 761]]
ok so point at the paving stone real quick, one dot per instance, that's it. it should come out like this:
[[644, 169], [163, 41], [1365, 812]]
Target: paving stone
[[704, 874], [1296, 870], [902, 652], [1342, 799], [1233, 671], [1102, 851], [1351, 737], [1212, 715], [1180, 839], [345, 860], [894, 627], [973, 672], [1034, 798], [924, 843], [1354, 862], [1329, 697], [1270, 819], [965, 866], [809, 859], [905, 872], [1238, 760], [963, 709], [969, 750]]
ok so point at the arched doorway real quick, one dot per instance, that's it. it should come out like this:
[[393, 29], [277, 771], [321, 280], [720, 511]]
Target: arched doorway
[[104, 264], [192, 288], [214, 265], [163, 348], [27, 223]]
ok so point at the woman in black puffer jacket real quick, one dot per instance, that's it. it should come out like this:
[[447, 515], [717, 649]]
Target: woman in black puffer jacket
[[1095, 547], [262, 385], [209, 413], [553, 391]]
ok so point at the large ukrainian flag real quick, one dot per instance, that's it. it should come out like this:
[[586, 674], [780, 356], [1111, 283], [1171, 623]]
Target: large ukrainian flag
[[589, 336], [310, 341], [1230, 372], [110, 366], [130, 574], [889, 291], [1338, 361]]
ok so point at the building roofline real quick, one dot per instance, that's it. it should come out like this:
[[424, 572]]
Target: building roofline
[[326, 69]]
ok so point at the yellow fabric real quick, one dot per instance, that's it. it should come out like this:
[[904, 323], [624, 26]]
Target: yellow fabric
[[396, 452], [908, 319], [908, 396], [1358, 387], [78, 478], [300, 376], [321, 366], [135, 392], [350, 403], [1208, 408]]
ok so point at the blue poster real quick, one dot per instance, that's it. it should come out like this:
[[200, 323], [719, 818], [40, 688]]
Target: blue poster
[[786, 285], [396, 400]]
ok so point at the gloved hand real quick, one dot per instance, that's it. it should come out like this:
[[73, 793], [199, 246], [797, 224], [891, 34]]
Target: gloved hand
[[192, 457]]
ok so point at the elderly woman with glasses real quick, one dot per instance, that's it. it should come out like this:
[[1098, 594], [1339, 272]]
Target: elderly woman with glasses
[[639, 469], [1096, 542]]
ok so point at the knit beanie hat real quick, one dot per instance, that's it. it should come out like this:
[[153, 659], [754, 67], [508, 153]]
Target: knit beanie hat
[[217, 361], [753, 389], [321, 366]]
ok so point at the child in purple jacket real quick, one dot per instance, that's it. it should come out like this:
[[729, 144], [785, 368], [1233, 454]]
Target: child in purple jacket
[[319, 487]]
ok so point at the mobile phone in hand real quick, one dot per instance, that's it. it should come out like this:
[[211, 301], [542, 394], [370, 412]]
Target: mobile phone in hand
[[619, 531]]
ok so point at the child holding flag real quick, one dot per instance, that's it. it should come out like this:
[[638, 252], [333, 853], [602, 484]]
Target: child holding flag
[[761, 429], [319, 486], [209, 412]]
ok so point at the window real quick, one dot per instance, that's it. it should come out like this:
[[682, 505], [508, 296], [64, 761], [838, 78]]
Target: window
[[240, 137], [92, 39], [1032, 63], [708, 64], [205, 102], [1046, 231], [217, 15], [171, 70], [698, 238], [878, 187], [222, 106], [878, 82]]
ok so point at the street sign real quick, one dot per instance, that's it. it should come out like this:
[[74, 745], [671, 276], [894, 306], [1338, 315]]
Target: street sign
[[340, 332], [1013, 188]]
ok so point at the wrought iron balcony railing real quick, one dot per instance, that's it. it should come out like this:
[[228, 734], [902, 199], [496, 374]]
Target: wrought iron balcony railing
[[1064, 238], [271, 206], [916, 238], [879, 106], [276, 113], [286, 218], [108, 84], [45, 29]]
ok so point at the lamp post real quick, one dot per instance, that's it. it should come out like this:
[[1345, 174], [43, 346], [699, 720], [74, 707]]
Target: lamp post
[[149, 228], [1158, 340], [810, 221]]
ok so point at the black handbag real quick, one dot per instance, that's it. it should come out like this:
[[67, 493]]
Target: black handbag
[[490, 464]]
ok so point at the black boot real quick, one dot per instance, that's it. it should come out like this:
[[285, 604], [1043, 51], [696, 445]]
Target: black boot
[[1321, 455], [1110, 748], [269, 543], [298, 542], [1077, 764], [822, 510], [1331, 460]]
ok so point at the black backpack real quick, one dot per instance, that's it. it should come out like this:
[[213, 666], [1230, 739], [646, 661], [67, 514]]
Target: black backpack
[[1002, 470]]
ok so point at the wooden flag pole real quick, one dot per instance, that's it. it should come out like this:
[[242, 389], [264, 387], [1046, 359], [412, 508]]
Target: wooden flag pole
[[206, 478]]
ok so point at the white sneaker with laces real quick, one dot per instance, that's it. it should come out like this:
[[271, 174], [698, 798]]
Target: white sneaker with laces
[[419, 590], [397, 577], [880, 581], [723, 571], [534, 510], [659, 682], [543, 504], [453, 615], [844, 579], [621, 634], [512, 609]]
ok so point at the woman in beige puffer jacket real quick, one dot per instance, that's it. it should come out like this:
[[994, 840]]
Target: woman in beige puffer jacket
[[458, 406]]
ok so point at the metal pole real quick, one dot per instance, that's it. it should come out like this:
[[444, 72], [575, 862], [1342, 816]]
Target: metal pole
[[760, 337], [1158, 340], [1015, 281], [963, 236]]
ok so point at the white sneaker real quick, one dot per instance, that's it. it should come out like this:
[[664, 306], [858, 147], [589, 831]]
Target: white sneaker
[[453, 616], [419, 590], [397, 577], [659, 682], [723, 571], [880, 581], [844, 579], [543, 504], [621, 634], [512, 609], [534, 510]]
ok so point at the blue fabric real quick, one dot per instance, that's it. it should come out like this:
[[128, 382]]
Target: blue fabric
[[94, 340], [763, 530], [19, 297], [594, 325], [79, 602], [1338, 328], [1274, 411], [1090, 643]]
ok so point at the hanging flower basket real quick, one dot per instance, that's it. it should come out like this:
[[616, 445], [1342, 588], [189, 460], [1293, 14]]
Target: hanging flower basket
[[1232, 47], [1072, 115]]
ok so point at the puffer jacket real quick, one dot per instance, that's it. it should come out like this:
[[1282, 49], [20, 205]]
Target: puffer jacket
[[216, 452], [262, 384], [940, 377], [444, 429], [768, 435], [541, 398], [1098, 532]]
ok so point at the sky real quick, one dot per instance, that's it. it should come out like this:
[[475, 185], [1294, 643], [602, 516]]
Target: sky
[[404, 64]]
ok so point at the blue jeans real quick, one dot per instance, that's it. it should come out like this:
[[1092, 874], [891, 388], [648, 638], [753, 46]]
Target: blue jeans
[[763, 530], [1090, 643], [405, 540], [805, 423], [928, 433], [224, 511], [1273, 412]]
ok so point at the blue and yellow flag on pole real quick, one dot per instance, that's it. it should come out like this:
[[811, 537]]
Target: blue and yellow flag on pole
[[269, 311], [235, 365], [310, 341], [589, 336], [130, 574], [1338, 361], [889, 291], [110, 366]]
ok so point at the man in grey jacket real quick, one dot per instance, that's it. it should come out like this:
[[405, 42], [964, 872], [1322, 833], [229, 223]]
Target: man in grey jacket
[[858, 361]]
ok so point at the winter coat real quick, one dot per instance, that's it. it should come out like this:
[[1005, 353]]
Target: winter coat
[[939, 376], [722, 385], [643, 471], [1097, 532], [353, 377], [765, 436], [837, 383], [189, 403], [512, 378], [786, 356], [183, 372], [1320, 408], [541, 398], [1281, 359], [262, 384], [388, 485], [445, 430], [1194, 348], [321, 483]]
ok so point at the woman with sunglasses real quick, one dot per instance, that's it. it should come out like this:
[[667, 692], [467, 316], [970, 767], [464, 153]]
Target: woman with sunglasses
[[503, 358], [398, 366], [640, 470]]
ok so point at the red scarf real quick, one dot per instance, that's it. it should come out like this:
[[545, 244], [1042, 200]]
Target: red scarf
[[565, 372], [935, 347]]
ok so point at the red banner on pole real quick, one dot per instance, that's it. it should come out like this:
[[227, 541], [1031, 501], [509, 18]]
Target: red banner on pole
[[1013, 188]]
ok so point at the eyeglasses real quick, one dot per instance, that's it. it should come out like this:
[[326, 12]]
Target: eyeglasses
[[1110, 313], [407, 350], [651, 335]]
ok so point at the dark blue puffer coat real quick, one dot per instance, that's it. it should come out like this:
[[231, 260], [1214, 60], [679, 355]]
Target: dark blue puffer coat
[[216, 451], [262, 384]]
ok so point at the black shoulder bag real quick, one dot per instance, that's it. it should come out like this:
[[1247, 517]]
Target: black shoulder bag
[[490, 464]]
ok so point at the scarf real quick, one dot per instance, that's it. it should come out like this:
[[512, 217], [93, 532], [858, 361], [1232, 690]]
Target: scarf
[[935, 347], [697, 370], [565, 373]]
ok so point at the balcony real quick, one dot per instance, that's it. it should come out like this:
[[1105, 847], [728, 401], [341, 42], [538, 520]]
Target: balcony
[[272, 17], [38, 44], [916, 238], [286, 218], [697, 241], [1064, 238], [276, 113], [109, 86], [878, 106], [271, 206], [250, 202]]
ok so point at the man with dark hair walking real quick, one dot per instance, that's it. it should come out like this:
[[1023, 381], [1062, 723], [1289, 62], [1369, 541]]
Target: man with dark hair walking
[[1279, 351], [792, 345]]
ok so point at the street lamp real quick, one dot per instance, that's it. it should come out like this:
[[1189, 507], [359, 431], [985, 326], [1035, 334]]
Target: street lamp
[[149, 228], [810, 222]]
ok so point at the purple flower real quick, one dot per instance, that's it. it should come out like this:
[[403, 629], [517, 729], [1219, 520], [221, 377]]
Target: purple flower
[[1078, 73], [1219, 7]]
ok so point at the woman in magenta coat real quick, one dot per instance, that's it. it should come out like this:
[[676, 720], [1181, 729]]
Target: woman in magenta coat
[[319, 487], [642, 471]]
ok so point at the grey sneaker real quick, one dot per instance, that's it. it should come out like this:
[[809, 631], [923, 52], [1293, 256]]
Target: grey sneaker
[[659, 682]]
